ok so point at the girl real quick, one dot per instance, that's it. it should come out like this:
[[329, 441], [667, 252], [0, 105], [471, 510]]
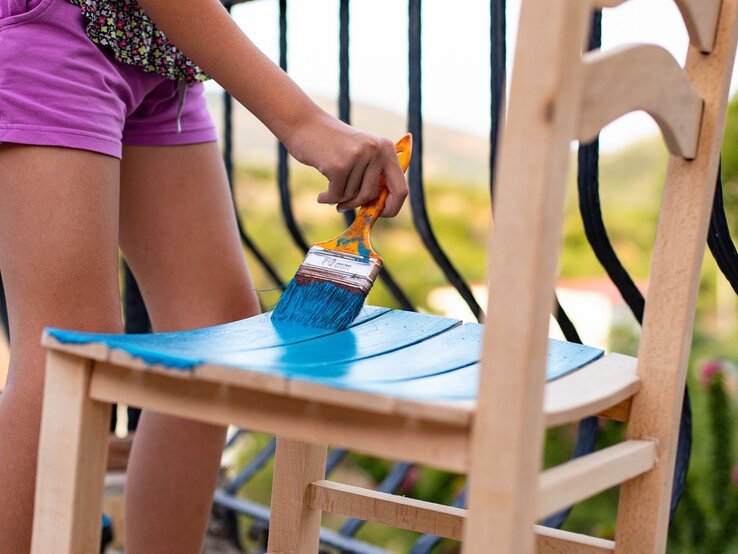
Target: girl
[[106, 143]]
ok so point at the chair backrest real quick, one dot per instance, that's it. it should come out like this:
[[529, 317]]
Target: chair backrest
[[557, 95]]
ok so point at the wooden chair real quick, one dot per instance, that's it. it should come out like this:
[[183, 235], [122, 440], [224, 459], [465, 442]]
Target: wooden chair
[[409, 386]]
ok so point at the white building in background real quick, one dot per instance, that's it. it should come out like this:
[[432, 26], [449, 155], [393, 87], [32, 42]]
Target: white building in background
[[593, 305]]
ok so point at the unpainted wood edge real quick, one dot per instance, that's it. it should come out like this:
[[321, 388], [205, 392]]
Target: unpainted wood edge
[[428, 517], [600, 4], [701, 18], [641, 77], [583, 477], [611, 397], [93, 351], [456, 412], [556, 541], [388, 509], [125, 359], [619, 412], [241, 378], [341, 397], [390, 436]]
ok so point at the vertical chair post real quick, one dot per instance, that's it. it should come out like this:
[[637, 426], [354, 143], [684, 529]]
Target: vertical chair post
[[529, 207], [643, 511], [294, 526], [71, 461]]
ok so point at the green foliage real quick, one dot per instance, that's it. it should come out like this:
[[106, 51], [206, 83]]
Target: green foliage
[[705, 520]]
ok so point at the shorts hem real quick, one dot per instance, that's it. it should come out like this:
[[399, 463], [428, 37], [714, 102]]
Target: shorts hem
[[58, 137], [166, 138]]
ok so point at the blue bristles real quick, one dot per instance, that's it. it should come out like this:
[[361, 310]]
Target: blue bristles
[[318, 304]]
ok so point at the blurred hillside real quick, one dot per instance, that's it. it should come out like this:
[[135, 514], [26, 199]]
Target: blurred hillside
[[450, 154]]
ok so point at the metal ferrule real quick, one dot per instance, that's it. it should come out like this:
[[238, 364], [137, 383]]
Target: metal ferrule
[[340, 268]]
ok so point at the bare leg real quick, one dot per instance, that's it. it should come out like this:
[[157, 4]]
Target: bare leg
[[179, 235], [59, 260]]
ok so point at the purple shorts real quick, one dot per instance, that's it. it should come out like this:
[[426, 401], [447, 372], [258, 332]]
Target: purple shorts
[[57, 88]]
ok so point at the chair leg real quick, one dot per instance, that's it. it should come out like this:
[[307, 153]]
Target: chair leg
[[295, 527], [70, 476]]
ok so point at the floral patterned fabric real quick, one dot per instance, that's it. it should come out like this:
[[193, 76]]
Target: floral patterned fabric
[[133, 38]]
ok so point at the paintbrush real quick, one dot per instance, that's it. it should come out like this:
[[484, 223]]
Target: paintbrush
[[329, 288]]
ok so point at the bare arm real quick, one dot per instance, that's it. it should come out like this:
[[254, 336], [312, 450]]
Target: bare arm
[[351, 160]]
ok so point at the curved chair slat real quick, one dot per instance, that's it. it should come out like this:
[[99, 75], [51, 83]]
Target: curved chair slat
[[700, 17], [643, 77]]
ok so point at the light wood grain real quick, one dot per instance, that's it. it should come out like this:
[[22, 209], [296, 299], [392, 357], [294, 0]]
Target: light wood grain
[[529, 206], [601, 385], [71, 461], [555, 541], [295, 521], [643, 513], [94, 351], [642, 77], [584, 477], [388, 509], [619, 412], [426, 517], [700, 17], [390, 436]]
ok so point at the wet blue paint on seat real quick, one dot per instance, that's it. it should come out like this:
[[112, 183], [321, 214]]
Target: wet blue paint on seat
[[185, 349], [396, 353]]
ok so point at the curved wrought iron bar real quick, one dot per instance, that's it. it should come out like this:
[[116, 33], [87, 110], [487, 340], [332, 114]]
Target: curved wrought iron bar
[[594, 229], [417, 193], [228, 161], [590, 209], [719, 238], [283, 170], [4, 310], [335, 457], [137, 321], [344, 114], [253, 467]]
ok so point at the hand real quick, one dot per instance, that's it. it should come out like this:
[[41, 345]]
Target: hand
[[352, 161]]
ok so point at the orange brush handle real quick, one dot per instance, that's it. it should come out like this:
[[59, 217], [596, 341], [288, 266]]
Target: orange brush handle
[[356, 239]]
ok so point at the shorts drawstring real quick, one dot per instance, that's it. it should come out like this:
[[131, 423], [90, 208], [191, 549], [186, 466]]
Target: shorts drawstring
[[182, 87]]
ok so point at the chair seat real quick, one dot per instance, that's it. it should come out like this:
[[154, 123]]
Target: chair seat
[[386, 360]]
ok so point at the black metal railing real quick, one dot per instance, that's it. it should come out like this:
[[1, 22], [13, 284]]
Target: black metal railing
[[226, 502]]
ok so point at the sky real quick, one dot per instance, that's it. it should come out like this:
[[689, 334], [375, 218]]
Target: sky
[[455, 66]]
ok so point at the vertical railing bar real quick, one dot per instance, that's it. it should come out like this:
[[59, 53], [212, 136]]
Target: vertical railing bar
[[719, 238], [344, 114], [344, 88], [283, 170], [252, 468], [417, 194], [565, 323], [228, 162], [4, 311], [498, 80], [136, 321]]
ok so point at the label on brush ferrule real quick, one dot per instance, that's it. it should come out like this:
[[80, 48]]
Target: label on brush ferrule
[[343, 264]]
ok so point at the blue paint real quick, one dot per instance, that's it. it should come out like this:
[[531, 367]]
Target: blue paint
[[185, 349], [328, 355], [318, 304], [394, 353], [361, 245]]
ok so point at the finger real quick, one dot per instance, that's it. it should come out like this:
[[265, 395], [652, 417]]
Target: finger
[[336, 185], [397, 186], [369, 188], [355, 178]]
